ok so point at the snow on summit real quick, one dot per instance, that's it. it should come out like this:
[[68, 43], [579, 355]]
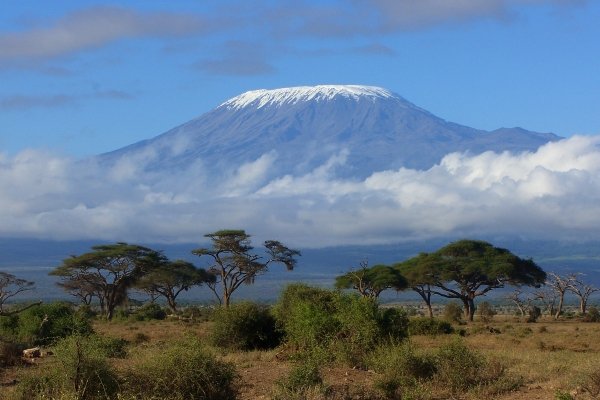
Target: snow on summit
[[292, 95]]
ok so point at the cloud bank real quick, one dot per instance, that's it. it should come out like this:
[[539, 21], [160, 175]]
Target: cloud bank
[[551, 193]]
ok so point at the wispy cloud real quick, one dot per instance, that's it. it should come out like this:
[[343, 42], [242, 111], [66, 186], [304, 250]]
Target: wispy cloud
[[26, 102], [551, 193], [91, 28], [238, 58]]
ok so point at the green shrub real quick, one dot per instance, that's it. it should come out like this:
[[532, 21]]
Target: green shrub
[[458, 366], [461, 369], [347, 325], [429, 326], [394, 323], [453, 312], [148, 312], [112, 347], [401, 368], [47, 323], [80, 371], [8, 327], [244, 326], [303, 381], [180, 370], [306, 315]]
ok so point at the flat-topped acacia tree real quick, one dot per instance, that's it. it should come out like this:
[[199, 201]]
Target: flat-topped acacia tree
[[370, 282], [467, 269], [107, 272], [421, 273], [234, 263], [11, 286], [171, 278]]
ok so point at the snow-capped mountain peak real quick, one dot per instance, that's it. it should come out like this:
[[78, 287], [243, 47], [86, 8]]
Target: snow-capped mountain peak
[[293, 95]]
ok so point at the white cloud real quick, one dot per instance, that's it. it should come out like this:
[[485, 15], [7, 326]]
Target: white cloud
[[551, 193]]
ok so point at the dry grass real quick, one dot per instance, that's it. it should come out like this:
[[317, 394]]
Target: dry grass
[[549, 356]]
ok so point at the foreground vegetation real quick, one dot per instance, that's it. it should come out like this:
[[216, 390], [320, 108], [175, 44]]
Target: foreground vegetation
[[313, 344]]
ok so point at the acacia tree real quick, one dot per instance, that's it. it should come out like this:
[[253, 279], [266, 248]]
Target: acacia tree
[[547, 298], [582, 290], [467, 269], [370, 282], [234, 263], [11, 286], [421, 274], [107, 272], [171, 278], [522, 303], [560, 285]]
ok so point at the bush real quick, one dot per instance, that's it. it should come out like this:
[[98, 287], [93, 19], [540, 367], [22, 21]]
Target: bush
[[347, 325], [486, 312], [306, 315], [460, 369], [592, 315], [148, 312], [47, 323], [453, 312], [401, 368], [429, 326], [10, 354], [533, 314], [195, 313], [395, 323], [180, 370], [80, 372], [112, 347], [245, 326]]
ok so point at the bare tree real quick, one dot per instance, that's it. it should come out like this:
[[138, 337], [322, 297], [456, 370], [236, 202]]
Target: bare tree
[[11, 286], [582, 290], [522, 303], [560, 285], [547, 297]]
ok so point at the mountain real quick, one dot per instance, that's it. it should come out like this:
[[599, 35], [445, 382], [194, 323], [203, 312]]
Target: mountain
[[299, 129]]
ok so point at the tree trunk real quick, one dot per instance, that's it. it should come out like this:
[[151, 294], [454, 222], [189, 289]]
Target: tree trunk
[[582, 305], [466, 310], [226, 299], [471, 309], [172, 304], [426, 296], [429, 310], [560, 306]]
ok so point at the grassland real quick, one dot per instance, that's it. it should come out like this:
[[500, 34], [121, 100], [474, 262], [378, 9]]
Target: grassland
[[545, 360]]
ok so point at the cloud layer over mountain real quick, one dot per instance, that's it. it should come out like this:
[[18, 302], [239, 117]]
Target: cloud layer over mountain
[[551, 193]]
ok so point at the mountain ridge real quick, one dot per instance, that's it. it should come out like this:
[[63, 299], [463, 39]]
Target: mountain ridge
[[301, 128]]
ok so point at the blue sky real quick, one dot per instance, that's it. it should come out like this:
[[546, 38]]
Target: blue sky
[[84, 77]]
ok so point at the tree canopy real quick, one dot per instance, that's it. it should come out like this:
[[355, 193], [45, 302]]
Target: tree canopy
[[171, 278], [370, 282], [11, 286], [107, 272], [234, 263], [421, 273], [467, 269]]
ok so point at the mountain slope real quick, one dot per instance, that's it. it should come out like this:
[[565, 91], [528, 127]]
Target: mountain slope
[[296, 130]]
